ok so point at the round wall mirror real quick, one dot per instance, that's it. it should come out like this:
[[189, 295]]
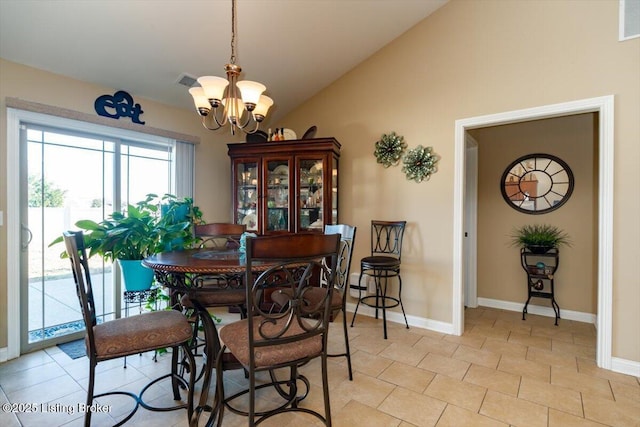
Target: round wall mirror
[[537, 183]]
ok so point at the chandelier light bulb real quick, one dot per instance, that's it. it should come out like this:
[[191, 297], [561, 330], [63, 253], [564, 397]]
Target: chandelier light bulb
[[250, 92]]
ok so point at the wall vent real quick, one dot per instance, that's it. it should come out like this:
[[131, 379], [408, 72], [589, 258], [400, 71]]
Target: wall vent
[[629, 19], [187, 80]]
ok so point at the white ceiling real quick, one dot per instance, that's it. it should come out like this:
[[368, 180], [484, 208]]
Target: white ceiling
[[294, 47]]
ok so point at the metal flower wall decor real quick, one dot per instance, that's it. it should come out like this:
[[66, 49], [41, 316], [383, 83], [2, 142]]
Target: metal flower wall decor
[[419, 163], [389, 149]]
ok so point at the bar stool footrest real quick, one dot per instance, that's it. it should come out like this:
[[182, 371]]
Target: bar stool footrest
[[382, 301]]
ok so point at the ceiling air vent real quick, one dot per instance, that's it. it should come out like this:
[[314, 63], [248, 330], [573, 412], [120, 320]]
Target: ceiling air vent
[[187, 80], [629, 19]]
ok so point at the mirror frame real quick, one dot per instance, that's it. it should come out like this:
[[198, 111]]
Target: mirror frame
[[537, 163]]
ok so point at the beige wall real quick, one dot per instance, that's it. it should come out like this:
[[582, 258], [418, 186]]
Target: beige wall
[[473, 58], [468, 59], [500, 275], [212, 162]]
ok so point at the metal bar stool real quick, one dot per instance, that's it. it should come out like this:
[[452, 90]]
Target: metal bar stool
[[383, 264]]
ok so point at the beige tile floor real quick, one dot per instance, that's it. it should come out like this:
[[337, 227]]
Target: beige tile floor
[[502, 372]]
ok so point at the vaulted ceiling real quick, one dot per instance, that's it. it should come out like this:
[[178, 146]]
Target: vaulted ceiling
[[294, 47]]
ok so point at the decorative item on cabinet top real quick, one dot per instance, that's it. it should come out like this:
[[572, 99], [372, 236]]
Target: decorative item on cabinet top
[[310, 133], [257, 136], [281, 134]]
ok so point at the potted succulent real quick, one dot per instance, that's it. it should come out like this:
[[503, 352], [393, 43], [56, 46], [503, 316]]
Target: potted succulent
[[139, 232], [539, 238]]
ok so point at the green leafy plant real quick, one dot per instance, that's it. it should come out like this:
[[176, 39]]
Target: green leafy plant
[[150, 226], [542, 236]]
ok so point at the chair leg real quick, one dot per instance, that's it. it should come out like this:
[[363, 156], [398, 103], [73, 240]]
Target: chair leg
[[218, 407], [192, 379], [384, 306], [92, 377], [252, 398], [174, 373], [346, 342], [353, 319], [212, 348], [400, 299], [379, 294], [325, 391]]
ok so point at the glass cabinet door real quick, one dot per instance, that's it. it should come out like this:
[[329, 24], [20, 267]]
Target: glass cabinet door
[[277, 180], [334, 192], [311, 195], [247, 195]]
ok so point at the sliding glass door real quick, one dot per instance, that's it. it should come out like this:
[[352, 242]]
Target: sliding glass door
[[67, 176]]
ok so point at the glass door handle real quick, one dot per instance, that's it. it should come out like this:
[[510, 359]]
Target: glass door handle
[[25, 244]]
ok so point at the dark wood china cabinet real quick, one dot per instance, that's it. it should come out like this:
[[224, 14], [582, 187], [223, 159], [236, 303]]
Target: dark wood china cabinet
[[285, 186]]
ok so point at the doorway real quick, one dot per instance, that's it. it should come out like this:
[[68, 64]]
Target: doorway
[[603, 106]]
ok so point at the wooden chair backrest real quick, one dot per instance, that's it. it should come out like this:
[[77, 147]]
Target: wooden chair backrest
[[218, 234]]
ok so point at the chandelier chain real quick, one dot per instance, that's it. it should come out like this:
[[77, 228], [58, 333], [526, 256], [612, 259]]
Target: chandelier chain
[[233, 32]]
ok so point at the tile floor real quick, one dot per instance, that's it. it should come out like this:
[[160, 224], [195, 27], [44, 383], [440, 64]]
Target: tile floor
[[502, 372]]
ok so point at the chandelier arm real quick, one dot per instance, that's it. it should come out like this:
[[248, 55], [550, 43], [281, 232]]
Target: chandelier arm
[[247, 121], [205, 120], [257, 125], [219, 122]]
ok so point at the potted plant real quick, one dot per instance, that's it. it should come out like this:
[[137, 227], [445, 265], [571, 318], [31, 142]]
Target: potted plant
[[137, 233], [539, 238]]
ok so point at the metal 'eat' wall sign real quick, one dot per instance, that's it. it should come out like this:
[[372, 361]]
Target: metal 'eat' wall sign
[[120, 104]]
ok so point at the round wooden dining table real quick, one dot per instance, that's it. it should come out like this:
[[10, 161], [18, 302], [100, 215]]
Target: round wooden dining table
[[188, 272]]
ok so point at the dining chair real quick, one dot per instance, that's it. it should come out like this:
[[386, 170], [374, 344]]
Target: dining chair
[[381, 265], [127, 336], [265, 340], [219, 235], [340, 287], [225, 290]]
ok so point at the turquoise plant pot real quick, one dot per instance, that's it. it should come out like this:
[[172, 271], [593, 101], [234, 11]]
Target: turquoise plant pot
[[136, 276]]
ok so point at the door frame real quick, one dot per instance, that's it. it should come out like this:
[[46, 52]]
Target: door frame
[[604, 106], [470, 297]]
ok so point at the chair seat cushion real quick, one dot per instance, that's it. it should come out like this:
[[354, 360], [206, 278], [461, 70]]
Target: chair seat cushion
[[137, 334], [379, 261], [216, 298], [312, 296], [236, 337]]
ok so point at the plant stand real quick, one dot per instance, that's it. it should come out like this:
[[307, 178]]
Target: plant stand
[[540, 269], [139, 297]]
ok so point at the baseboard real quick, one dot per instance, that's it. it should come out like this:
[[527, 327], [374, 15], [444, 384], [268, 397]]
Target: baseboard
[[396, 317], [624, 366], [538, 309], [4, 354]]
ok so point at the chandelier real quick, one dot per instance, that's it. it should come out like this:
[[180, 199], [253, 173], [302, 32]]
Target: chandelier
[[220, 101]]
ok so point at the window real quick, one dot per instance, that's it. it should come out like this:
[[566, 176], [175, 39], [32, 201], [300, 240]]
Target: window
[[72, 170]]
